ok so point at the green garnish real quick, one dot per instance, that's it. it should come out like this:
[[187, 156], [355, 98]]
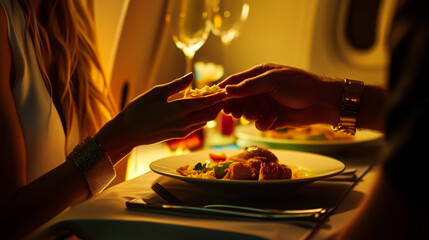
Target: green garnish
[[200, 166]]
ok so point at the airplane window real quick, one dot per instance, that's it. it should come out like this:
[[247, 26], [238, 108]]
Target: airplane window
[[362, 23]]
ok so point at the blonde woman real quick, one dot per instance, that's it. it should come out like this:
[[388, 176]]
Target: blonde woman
[[53, 99]]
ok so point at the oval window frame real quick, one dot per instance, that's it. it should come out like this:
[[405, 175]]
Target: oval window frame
[[377, 55]]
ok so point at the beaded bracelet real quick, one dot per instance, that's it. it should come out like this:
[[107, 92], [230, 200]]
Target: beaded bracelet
[[94, 163]]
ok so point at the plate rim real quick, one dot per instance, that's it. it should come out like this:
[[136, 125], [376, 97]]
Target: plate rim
[[247, 137]]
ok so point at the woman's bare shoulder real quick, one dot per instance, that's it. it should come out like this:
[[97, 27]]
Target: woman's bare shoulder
[[5, 56], [3, 20]]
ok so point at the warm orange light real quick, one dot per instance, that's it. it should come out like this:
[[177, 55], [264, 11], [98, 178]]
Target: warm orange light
[[244, 121], [142, 156], [181, 149], [217, 21]]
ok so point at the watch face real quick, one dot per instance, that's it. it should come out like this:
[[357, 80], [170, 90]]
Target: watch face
[[353, 91]]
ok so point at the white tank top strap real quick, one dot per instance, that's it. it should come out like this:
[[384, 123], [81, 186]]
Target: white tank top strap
[[41, 125]]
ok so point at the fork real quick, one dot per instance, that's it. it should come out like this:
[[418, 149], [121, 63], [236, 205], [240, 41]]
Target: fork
[[172, 200], [348, 175], [165, 195]]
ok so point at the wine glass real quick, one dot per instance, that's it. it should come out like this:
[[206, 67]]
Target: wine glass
[[227, 18], [190, 27], [189, 24]]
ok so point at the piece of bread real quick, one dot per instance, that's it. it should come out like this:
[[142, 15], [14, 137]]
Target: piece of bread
[[205, 91]]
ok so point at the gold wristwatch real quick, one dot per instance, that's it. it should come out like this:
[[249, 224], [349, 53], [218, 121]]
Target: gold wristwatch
[[349, 110]]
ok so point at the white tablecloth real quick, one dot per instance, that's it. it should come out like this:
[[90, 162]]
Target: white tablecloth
[[106, 217]]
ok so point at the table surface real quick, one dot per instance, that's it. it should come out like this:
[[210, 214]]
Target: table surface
[[106, 217]]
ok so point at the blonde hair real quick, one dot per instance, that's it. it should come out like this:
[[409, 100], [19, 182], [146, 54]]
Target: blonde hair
[[64, 40]]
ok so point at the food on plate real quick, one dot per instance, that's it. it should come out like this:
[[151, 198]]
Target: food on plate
[[316, 132], [254, 163], [200, 92]]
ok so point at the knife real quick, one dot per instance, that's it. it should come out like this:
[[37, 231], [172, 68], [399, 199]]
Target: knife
[[141, 205]]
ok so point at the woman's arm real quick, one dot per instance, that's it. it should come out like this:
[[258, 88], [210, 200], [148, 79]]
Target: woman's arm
[[24, 207]]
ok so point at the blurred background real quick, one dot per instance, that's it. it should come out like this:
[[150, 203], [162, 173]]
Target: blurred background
[[336, 38]]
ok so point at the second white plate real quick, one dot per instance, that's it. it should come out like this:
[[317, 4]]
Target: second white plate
[[248, 135]]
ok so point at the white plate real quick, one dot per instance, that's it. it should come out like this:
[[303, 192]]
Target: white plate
[[248, 135], [320, 166]]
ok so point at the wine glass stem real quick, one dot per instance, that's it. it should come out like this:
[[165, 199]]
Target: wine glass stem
[[189, 67]]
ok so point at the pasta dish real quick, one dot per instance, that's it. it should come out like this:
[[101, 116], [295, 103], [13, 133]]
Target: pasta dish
[[254, 163]]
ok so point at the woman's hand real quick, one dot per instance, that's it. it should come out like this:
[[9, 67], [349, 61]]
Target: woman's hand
[[151, 118], [277, 96]]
